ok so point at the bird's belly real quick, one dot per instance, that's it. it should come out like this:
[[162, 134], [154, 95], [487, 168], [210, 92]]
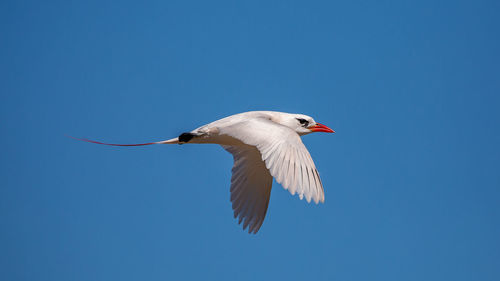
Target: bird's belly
[[217, 139]]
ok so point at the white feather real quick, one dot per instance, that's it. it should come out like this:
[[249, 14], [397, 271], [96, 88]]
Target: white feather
[[262, 148]]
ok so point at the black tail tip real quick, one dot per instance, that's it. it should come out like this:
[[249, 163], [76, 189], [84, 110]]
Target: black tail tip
[[185, 137]]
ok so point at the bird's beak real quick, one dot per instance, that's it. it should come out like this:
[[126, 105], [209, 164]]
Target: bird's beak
[[321, 128]]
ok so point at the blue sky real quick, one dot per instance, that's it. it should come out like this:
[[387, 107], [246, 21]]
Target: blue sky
[[411, 177]]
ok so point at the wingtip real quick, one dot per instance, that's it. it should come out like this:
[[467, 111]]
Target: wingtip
[[320, 200]]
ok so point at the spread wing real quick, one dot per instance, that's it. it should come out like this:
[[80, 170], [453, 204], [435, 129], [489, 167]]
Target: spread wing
[[250, 186], [285, 156]]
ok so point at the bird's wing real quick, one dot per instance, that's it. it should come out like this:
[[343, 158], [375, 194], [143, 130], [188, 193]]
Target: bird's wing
[[284, 154], [250, 186]]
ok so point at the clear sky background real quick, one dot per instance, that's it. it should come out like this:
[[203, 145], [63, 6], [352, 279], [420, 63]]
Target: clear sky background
[[412, 176]]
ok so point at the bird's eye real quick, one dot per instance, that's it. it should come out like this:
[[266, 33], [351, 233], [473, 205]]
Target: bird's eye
[[303, 121]]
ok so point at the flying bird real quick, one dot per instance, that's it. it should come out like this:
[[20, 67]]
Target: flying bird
[[264, 144]]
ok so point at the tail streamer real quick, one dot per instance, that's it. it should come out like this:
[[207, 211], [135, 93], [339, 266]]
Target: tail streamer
[[113, 144]]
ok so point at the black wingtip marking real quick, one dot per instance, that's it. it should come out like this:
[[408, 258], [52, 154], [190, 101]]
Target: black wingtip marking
[[185, 137]]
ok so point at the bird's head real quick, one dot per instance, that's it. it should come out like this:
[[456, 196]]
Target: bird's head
[[303, 124]]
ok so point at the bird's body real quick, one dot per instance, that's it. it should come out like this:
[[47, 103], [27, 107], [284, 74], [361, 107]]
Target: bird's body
[[264, 144]]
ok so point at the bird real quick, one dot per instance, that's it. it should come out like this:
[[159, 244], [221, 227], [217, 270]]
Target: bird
[[264, 145]]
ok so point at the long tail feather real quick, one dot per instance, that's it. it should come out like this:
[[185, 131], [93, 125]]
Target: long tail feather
[[115, 144], [170, 141]]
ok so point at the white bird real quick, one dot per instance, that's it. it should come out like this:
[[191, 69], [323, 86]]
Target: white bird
[[264, 144]]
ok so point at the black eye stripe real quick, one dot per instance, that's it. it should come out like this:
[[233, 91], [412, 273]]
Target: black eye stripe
[[303, 121]]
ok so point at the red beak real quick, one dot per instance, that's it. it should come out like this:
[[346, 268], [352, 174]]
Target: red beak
[[321, 128]]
